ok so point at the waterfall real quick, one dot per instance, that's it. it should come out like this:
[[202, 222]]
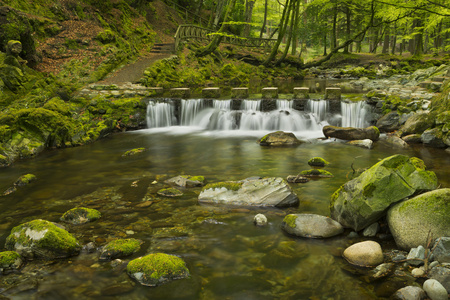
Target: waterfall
[[354, 114], [189, 111], [319, 108], [160, 114]]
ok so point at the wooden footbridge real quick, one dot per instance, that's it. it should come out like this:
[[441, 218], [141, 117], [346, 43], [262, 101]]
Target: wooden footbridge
[[189, 32]]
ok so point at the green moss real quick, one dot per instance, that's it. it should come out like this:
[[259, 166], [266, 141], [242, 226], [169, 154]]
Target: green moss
[[418, 163], [8, 258], [170, 192], [158, 268], [25, 179], [133, 151], [42, 235], [80, 215], [316, 172], [125, 246], [377, 131], [194, 178], [290, 220], [229, 185], [317, 162]]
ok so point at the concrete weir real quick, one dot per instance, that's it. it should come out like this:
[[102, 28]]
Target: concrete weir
[[211, 92], [270, 93], [182, 93]]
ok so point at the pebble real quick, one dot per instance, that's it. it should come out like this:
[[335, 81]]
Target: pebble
[[418, 272], [435, 290], [260, 220]]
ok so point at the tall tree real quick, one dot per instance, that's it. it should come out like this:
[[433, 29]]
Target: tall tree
[[248, 17]]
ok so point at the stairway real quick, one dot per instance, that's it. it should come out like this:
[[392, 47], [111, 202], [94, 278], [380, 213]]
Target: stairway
[[168, 48]]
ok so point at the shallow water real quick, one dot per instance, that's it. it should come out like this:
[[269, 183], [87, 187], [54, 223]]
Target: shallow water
[[229, 258]]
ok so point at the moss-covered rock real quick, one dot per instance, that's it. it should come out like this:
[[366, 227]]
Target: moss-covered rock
[[80, 215], [186, 181], [417, 123], [10, 260], [410, 221], [21, 181], [316, 173], [365, 199], [279, 138], [43, 240], [170, 192], [120, 248], [229, 185], [350, 133], [317, 162], [133, 151], [156, 269]]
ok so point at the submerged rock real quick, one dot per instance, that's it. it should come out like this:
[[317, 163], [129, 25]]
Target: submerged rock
[[296, 179], [409, 293], [311, 226], [80, 215], [42, 239], [133, 151], [21, 181], [316, 173], [120, 248], [362, 143], [272, 191], [364, 254], [410, 221], [186, 181], [365, 199], [170, 192], [156, 269], [279, 138], [350, 133]]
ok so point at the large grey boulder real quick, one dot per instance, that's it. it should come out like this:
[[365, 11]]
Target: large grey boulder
[[351, 133], [417, 123], [433, 137], [311, 226], [411, 220], [389, 122], [365, 199], [272, 191]]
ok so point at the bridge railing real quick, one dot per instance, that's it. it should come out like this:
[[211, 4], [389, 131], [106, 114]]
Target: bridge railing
[[187, 31]]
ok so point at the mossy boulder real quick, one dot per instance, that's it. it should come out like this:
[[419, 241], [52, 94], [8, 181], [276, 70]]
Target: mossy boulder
[[279, 138], [417, 123], [156, 269], [10, 260], [133, 151], [21, 181], [351, 133], [317, 162], [170, 192], [410, 221], [316, 173], [80, 215], [433, 137], [272, 191], [120, 248], [186, 181], [311, 226], [43, 240], [365, 199]]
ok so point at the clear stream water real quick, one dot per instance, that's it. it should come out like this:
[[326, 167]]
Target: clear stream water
[[228, 257]]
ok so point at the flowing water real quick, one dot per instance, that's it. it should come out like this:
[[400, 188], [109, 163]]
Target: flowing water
[[228, 257]]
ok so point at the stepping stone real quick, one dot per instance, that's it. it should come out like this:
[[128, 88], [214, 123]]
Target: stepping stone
[[211, 92], [301, 93], [332, 93], [239, 93], [270, 93]]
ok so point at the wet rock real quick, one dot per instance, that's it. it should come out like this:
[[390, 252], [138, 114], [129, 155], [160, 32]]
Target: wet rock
[[80, 215], [350, 133], [42, 239], [272, 191], [442, 249], [364, 254], [316, 173], [435, 290], [411, 221], [409, 293], [170, 192], [9, 261], [297, 179], [365, 199], [416, 256], [441, 274], [362, 143], [156, 269], [417, 123], [389, 122], [311, 226], [382, 270], [418, 272], [371, 230], [396, 142], [186, 181], [260, 220], [120, 248], [21, 181], [413, 139], [133, 151], [89, 247], [279, 138], [433, 138], [317, 162]]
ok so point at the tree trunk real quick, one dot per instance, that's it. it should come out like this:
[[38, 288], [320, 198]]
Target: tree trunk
[[293, 11], [334, 30], [219, 12], [295, 29], [212, 46], [265, 20], [348, 19], [394, 40], [418, 51], [387, 37], [248, 16], [325, 44], [282, 30]]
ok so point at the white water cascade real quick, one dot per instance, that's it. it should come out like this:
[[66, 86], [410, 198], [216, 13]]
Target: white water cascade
[[199, 114], [354, 114]]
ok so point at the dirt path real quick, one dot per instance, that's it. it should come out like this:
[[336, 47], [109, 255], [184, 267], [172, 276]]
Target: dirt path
[[133, 72]]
